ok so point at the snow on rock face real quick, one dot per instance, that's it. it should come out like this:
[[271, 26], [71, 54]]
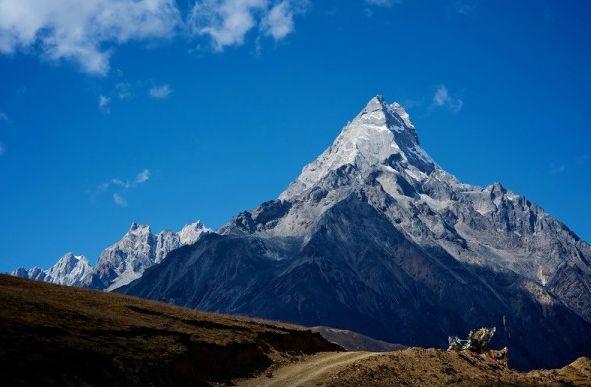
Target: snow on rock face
[[166, 241], [119, 264], [192, 232], [126, 260], [379, 135], [379, 152], [377, 156], [34, 273], [69, 270]]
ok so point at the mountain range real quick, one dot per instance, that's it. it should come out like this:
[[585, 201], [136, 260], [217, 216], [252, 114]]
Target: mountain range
[[374, 237], [119, 264]]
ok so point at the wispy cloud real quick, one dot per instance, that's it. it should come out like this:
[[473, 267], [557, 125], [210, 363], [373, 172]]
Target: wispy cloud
[[104, 104], [464, 7], [123, 90], [160, 92], [118, 186], [383, 3], [556, 169], [21, 91], [119, 200], [442, 98], [226, 22], [4, 118], [142, 177], [568, 165]]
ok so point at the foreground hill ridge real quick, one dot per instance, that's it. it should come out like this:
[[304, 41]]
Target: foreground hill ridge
[[376, 238], [119, 264], [58, 335]]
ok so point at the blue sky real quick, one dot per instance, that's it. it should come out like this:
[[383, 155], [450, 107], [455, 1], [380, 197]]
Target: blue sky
[[164, 112]]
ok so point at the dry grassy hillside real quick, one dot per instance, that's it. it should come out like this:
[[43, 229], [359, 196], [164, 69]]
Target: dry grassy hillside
[[432, 367], [55, 335]]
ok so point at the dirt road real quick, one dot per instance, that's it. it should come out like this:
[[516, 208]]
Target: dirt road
[[308, 372]]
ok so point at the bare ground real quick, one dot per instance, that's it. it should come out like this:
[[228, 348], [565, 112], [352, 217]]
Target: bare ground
[[416, 367]]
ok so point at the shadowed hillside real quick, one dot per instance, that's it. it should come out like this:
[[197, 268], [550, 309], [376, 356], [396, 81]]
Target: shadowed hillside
[[55, 335], [353, 341]]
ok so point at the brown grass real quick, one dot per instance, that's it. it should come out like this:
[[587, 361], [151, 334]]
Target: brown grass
[[55, 335], [432, 367]]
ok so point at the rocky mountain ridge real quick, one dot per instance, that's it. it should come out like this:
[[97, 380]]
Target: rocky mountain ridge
[[119, 264], [376, 238]]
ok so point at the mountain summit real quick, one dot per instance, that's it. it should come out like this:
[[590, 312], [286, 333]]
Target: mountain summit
[[379, 135], [374, 237]]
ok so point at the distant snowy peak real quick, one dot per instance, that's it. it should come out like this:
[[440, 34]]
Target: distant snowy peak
[[120, 263], [381, 135], [69, 270], [138, 250], [192, 232], [34, 273]]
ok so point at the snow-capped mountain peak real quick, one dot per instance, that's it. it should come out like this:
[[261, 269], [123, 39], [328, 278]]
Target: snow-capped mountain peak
[[380, 135], [192, 232], [138, 230], [70, 269]]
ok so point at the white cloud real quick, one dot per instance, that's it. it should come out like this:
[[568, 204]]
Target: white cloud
[[117, 186], [383, 3], [2, 149], [119, 200], [278, 22], [142, 177], [104, 104], [82, 30], [161, 92], [226, 22], [442, 98], [87, 31], [4, 117]]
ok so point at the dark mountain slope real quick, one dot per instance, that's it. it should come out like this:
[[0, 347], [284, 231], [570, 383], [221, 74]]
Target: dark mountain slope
[[357, 272]]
